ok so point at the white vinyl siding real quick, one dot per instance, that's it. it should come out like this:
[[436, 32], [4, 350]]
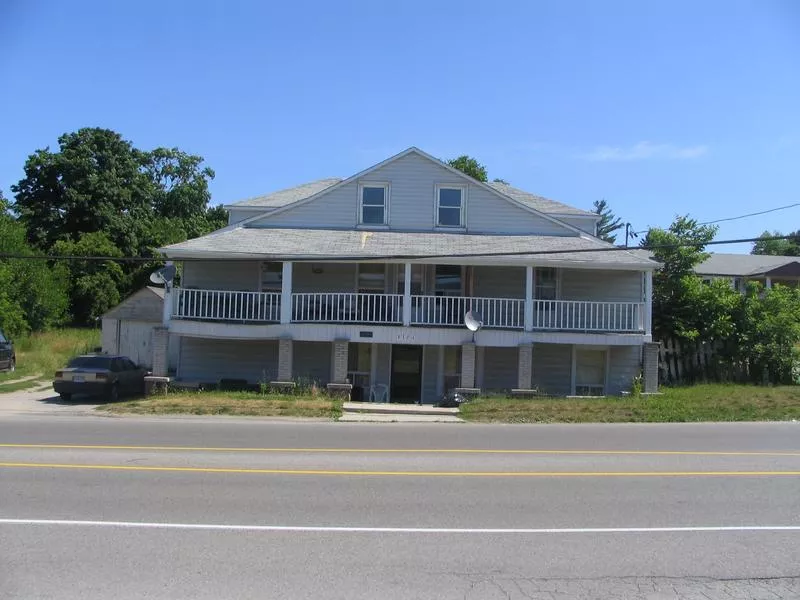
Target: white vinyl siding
[[242, 275], [207, 360], [323, 277], [413, 182], [500, 369], [625, 363], [552, 368], [605, 286], [311, 363], [498, 282]]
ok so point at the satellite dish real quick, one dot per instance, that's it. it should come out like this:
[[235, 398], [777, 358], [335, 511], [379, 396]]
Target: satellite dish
[[473, 320], [163, 276]]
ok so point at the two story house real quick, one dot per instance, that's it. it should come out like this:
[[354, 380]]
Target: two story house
[[367, 281]]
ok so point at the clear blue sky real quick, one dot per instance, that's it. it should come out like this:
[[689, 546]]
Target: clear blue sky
[[660, 107]]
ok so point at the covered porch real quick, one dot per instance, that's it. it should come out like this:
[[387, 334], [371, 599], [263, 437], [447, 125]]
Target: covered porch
[[414, 295]]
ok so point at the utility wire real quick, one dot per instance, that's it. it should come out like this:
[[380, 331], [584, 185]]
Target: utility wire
[[366, 257], [755, 214]]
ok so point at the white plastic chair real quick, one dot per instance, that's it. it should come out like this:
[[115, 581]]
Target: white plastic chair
[[379, 392]]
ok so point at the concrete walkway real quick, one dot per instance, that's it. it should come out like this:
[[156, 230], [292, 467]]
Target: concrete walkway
[[42, 400], [377, 412]]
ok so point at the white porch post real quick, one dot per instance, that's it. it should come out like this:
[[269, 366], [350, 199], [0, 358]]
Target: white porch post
[[407, 296], [286, 293], [769, 283], [528, 298], [166, 314], [648, 303]]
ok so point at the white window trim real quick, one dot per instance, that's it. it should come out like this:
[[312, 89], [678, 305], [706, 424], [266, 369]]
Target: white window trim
[[559, 273], [261, 275], [463, 215], [387, 188]]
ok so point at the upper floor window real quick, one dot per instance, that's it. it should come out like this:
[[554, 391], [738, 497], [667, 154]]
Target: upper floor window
[[546, 283], [373, 202], [450, 205]]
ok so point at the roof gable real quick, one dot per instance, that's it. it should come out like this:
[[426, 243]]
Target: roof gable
[[524, 204]]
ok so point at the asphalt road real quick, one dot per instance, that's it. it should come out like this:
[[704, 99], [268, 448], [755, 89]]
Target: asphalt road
[[95, 507]]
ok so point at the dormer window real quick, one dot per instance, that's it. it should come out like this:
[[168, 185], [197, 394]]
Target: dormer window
[[450, 205], [373, 204]]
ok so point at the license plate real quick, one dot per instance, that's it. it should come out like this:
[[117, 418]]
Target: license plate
[[78, 379]]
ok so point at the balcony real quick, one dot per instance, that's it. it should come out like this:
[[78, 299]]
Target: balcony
[[423, 311]]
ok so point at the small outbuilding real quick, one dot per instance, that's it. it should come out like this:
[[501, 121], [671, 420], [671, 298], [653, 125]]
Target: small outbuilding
[[128, 327]]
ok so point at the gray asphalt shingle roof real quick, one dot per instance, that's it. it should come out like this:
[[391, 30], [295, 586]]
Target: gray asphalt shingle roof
[[298, 244], [539, 203], [289, 195], [742, 265]]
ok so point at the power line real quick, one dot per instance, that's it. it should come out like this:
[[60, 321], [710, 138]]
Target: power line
[[350, 258], [754, 214], [761, 212]]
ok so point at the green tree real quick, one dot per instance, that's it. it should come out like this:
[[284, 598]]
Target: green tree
[[608, 223], [767, 334], [94, 284], [470, 166], [33, 294], [675, 285], [785, 247], [98, 182]]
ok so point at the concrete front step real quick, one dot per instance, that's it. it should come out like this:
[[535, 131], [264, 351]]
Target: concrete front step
[[397, 409]]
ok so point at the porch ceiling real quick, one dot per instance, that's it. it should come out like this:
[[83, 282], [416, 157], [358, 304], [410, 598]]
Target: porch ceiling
[[457, 248]]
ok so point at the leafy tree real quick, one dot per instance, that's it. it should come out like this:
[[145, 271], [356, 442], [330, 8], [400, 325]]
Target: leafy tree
[[608, 223], [768, 332], [33, 294], [99, 183], [785, 247], [470, 166], [94, 284], [675, 286]]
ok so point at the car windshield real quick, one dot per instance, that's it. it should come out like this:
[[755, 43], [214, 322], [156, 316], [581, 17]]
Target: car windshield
[[91, 362]]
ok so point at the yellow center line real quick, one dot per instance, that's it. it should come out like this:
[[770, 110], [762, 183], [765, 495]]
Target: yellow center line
[[396, 450], [409, 473]]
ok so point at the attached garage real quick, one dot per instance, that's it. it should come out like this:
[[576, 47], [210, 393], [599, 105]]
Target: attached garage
[[128, 327]]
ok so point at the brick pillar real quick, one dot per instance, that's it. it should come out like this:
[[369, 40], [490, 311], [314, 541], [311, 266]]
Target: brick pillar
[[650, 366], [285, 351], [525, 366], [160, 345], [340, 361], [468, 365]]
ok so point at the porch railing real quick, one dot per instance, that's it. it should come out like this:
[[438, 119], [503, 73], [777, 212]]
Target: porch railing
[[580, 315], [387, 309], [221, 305], [505, 313], [333, 307]]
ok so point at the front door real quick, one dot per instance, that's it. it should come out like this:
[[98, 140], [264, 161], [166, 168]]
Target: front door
[[406, 374]]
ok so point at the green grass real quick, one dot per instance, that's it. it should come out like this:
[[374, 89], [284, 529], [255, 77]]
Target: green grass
[[16, 386], [708, 402], [231, 403], [41, 354]]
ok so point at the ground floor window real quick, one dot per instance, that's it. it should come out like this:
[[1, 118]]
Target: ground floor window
[[590, 372], [452, 367]]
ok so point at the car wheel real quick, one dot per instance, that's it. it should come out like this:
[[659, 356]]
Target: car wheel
[[65, 397], [113, 394], [12, 366]]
